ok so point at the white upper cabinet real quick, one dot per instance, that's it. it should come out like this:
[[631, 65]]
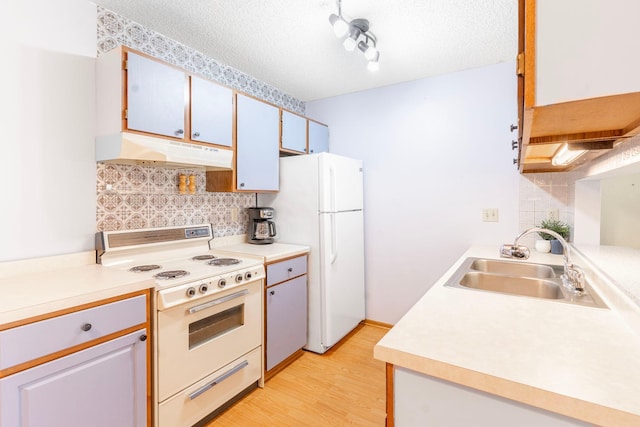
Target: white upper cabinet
[[257, 145], [583, 49], [294, 132], [211, 112], [156, 98], [318, 137]]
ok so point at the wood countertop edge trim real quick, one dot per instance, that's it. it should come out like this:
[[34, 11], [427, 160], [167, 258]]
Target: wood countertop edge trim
[[569, 406], [276, 258]]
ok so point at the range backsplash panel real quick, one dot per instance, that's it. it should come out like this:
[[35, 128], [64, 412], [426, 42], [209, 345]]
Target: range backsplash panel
[[132, 197]]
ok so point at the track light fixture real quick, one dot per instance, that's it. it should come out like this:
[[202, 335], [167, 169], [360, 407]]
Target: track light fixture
[[357, 35]]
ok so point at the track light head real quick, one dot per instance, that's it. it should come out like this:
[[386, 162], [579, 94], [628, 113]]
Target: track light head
[[356, 30], [351, 42], [340, 26]]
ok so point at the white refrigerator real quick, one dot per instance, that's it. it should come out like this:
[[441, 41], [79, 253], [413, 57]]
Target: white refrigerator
[[320, 205]]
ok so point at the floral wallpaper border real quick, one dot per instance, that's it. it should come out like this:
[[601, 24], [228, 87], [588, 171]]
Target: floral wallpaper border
[[115, 30]]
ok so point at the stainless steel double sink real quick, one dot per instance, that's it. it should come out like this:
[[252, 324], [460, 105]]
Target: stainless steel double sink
[[520, 279]]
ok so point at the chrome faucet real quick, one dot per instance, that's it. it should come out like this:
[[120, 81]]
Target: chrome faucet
[[573, 277]]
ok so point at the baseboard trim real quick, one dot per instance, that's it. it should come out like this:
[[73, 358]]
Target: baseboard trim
[[377, 324]]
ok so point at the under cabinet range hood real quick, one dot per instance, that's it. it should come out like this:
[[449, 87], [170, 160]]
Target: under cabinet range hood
[[132, 148]]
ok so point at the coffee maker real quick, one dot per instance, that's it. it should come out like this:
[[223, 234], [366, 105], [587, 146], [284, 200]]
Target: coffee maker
[[262, 229]]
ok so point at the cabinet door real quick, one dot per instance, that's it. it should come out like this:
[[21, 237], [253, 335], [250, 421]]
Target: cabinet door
[[318, 137], [155, 97], [294, 132], [102, 386], [257, 145], [286, 320], [211, 112]]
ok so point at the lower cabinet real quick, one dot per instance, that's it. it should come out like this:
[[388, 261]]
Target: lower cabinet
[[84, 368], [103, 386], [422, 400], [286, 311], [286, 320]]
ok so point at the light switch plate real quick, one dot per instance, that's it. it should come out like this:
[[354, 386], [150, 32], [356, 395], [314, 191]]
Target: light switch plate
[[490, 214]]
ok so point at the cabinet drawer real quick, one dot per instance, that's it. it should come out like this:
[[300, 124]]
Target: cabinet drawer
[[199, 400], [285, 270], [29, 342]]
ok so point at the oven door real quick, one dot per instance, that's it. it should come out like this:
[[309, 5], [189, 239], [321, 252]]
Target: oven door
[[196, 339]]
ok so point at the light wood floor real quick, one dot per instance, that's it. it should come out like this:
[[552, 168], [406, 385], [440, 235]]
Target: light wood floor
[[345, 386]]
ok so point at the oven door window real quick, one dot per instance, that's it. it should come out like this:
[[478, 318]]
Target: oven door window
[[207, 329]]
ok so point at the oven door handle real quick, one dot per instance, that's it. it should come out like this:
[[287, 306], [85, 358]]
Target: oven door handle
[[218, 380], [206, 305]]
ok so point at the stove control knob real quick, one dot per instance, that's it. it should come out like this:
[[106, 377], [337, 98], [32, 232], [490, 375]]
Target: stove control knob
[[239, 278], [203, 288], [222, 283], [247, 275], [191, 292]]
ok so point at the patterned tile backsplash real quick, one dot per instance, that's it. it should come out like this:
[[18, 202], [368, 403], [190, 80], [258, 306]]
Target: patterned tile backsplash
[[132, 197]]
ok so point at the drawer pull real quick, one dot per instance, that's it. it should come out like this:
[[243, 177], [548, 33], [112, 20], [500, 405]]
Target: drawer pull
[[143, 337], [290, 269], [86, 327], [218, 380]]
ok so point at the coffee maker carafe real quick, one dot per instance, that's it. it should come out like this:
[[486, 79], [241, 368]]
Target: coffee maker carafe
[[262, 229]]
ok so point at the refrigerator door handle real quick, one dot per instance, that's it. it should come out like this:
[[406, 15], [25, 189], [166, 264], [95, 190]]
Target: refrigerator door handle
[[334, 242], [332, 186]]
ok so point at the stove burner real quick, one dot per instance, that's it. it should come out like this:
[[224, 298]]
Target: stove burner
[[172, 274], [224, 261], [202, 257], [141, 268]]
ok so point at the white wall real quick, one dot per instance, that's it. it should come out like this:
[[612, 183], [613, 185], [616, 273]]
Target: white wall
[[436, 151], [47, 117], [620, 221]]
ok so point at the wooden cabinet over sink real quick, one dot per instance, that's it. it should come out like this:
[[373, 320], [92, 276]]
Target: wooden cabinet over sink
[[578, 79]]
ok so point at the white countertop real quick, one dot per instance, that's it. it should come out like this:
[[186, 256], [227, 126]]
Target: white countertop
[[575, 360], [269, 253], [621, 265], [40, 286]]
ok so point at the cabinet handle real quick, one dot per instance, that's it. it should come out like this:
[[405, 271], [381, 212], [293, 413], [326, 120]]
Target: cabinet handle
[[514, 144], [196, 134], [179, 132], [218, 380], [311, 151], [290, 269], [86, 327], [242, 184], [206, 305], [515, 161], [143, 337], [513, 127], [272, 293]]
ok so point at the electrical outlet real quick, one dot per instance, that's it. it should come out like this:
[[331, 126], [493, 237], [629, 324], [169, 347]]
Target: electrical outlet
[[490, 215], [234, 214], [553, 214]]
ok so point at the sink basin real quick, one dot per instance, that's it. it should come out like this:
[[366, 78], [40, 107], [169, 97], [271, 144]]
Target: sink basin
[[527, 286], [513, 268], [520, 279]]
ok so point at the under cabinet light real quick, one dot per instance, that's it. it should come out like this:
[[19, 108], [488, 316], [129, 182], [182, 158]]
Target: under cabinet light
[[564, 155]]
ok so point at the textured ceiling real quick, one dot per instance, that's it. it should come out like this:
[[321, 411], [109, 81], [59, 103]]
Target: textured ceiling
[[290, 44]]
